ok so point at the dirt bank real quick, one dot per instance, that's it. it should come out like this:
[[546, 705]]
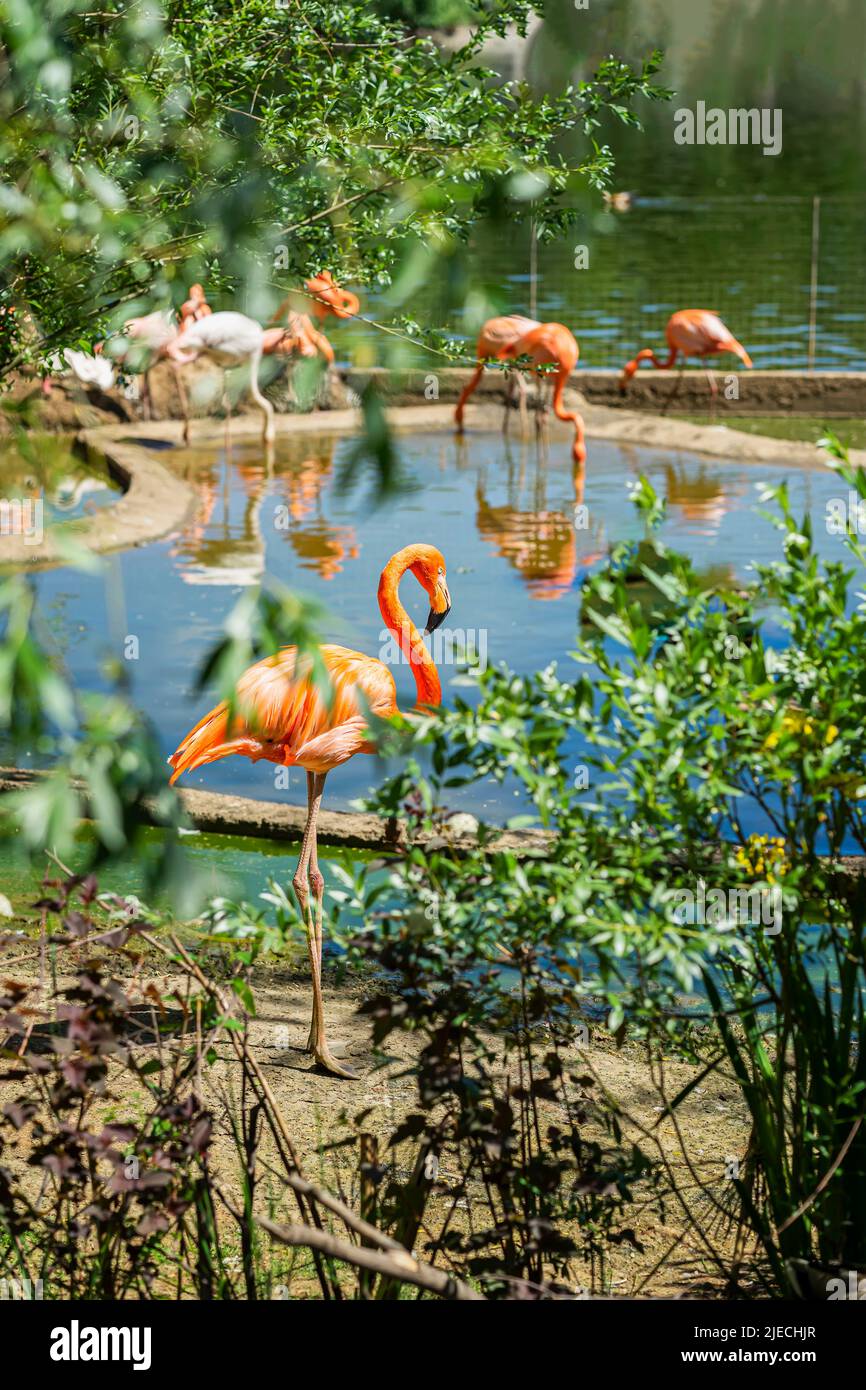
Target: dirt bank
[[665, 1258]]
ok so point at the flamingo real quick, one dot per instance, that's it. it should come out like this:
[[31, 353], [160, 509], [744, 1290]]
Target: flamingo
[[155, 331], [513, 336], [302, 338], [690, 333], [330, 298], [228, 338], [91, 369], [196, 306], [299, 338], [283, 718]]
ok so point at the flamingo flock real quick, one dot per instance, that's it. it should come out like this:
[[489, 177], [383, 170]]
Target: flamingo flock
[[281, 715]]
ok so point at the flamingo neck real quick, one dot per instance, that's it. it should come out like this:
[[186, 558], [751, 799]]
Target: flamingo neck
[[409, 639], [570, 416]]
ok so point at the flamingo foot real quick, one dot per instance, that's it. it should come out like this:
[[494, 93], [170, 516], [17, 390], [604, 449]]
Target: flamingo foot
[[328, 1061]]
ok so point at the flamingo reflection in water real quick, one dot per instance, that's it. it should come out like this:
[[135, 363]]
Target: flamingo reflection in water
[[548, 545]]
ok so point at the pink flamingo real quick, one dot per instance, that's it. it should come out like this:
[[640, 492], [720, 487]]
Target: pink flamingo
[[281, 716], [228, 339], [690, 333], [513, 336]]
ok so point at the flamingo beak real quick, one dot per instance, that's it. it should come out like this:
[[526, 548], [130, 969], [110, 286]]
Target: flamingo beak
[[436, 617]]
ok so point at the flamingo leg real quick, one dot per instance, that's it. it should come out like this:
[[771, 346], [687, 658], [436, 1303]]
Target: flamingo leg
[[543, 406], [509, 397], [677, 385], [184, 401], [306, 876], [317, 883], [146, 402], [711, 378], [524, 414], [227, 407]]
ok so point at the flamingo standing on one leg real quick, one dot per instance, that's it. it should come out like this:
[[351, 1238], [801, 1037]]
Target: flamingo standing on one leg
[[229, 339], [513, 336], [283, 717], [690, 333]]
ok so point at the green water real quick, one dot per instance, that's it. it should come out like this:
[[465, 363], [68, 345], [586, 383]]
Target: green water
[[46, 468], [722, 227], [232, 866], [809, 428]]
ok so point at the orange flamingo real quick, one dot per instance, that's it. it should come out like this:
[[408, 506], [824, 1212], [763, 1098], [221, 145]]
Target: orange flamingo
[[690, 333], [330, 298], [513, 336], [299, 338], [195, 307], [283, 717]]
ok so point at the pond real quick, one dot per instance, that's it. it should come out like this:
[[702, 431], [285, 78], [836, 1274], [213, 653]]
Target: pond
[[503, 515], [45, 468]]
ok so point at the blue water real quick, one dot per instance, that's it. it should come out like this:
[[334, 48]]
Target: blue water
[[502, 515]]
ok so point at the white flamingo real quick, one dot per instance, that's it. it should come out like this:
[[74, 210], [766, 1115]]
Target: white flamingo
[[229, 339], [90, 369], [154, 332]]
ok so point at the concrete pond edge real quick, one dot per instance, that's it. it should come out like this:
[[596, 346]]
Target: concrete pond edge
[[218, 813]]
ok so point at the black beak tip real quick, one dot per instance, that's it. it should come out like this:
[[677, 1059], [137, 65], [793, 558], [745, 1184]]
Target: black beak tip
[[435, 620]]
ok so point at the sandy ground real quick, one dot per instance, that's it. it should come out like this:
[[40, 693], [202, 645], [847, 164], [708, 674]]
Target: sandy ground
[[320, 1111]]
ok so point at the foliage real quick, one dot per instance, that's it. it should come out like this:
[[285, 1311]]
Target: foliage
[[144, 147], [107, 1185], [429, 14], [715, 762]]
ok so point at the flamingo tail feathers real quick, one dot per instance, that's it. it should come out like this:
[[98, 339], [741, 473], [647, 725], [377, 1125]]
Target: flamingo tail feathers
[[208, 742]]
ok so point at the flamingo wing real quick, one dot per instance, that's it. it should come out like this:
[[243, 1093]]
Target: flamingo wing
[[499, 335], [281, 715]]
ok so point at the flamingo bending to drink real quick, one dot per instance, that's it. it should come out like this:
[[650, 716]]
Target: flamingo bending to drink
[[512, 336], [283, 718], [690, 333]]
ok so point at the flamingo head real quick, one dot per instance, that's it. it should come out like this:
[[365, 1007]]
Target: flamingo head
[[428, 566], [628, 372]]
